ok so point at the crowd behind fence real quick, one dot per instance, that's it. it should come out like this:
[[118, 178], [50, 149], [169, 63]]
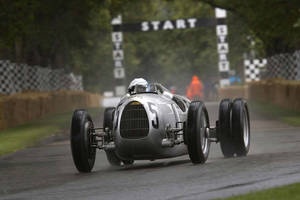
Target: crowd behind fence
[[21, 77]]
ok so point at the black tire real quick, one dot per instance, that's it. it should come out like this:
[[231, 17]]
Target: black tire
[[241, 127], [108, 117], [83, 153], [198, 142], [224, 129], [111, 155]]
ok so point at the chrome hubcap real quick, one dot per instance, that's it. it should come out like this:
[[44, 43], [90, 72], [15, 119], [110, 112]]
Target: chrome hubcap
[[203, 134], [246, 129]]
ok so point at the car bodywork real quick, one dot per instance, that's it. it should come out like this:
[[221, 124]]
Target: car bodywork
[[151, 123], [141, 124]]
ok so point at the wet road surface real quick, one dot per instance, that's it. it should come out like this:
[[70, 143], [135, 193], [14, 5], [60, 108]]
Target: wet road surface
[[48, 172]]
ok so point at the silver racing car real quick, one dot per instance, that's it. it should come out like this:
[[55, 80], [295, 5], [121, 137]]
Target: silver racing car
[[152, 123]]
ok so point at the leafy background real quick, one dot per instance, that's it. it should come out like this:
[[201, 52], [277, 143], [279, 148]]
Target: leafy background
[[75, 35]]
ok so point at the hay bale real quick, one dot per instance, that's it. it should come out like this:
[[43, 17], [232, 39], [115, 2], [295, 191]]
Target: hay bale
[[45, 104], [33, 107], [24, 107], [3, 123], [231, 92], [281, 92], [20, 111]]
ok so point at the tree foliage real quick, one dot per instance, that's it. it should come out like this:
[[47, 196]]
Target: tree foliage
[[274, 22], [75, 35]]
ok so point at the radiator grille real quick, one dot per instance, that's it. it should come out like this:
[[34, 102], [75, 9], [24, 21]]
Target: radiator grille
[[134, 121]]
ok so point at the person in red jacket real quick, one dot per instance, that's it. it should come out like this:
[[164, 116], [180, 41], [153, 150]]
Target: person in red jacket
[[195, 89]]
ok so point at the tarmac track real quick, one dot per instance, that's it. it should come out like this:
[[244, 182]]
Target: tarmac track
[[47, 171]]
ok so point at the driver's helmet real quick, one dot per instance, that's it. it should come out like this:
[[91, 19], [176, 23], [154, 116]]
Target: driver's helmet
[[138, 85]]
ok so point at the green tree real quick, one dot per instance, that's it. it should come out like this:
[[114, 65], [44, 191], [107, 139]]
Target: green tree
[[274, 22], [76, 35]]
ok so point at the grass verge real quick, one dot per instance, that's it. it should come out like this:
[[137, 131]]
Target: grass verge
[[29, 134], [288, 116], [280, 193]]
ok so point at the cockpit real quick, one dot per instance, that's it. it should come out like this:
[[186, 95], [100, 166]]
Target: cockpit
[[155, 88]]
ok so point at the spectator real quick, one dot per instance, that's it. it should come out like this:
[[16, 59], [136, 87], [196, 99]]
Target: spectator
[[195, 89]]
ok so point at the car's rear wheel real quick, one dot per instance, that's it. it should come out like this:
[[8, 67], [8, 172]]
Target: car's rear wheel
[[111, 155], [84, 154], [224, 132], [241, 127], [197, 132]]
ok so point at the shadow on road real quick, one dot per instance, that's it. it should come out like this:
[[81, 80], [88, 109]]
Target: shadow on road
[[155, 165]]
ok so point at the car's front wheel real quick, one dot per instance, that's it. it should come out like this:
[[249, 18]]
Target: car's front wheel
[[82, 138]]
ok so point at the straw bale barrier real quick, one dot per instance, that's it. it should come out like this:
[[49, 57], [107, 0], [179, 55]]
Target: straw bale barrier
[[25, 107], [281, 92], [232, 92]]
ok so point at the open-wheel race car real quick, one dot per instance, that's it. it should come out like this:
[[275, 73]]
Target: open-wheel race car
[[151, 123]]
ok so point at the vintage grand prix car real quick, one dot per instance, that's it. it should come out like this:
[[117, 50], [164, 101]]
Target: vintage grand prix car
[[154, 124]]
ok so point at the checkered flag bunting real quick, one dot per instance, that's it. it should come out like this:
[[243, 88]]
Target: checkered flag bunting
[[285, 66], [253, 69]]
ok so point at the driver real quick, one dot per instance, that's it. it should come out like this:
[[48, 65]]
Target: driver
[[138, 85]]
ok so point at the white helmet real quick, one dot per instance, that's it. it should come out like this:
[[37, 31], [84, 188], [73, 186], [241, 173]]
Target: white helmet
[[137, 81]]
